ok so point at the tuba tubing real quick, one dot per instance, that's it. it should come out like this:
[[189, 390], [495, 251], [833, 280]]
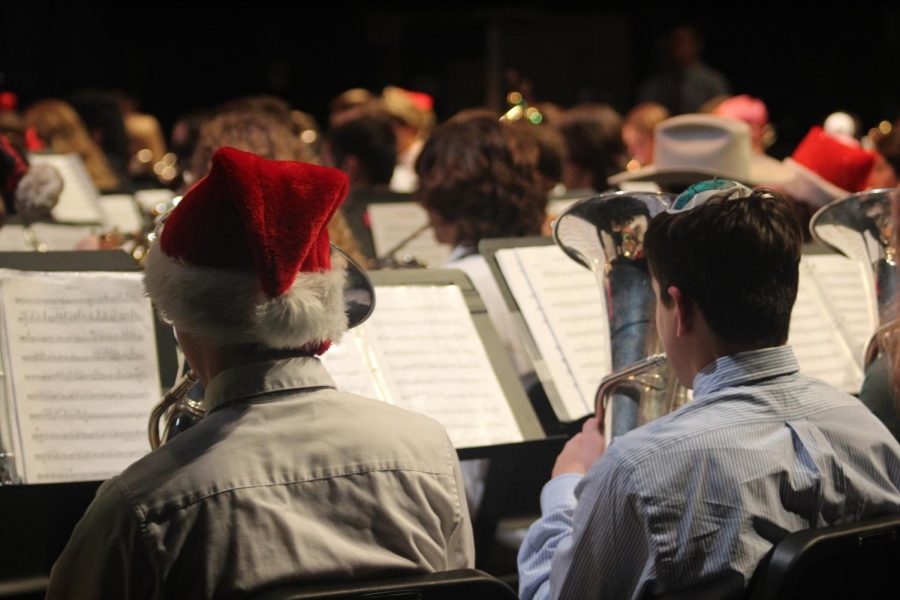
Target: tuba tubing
[[174, 404]]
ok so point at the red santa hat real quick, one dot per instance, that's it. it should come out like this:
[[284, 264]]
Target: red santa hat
[[827, 168], [245, 257]]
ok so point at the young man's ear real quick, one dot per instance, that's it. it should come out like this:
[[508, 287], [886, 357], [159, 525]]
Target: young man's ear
[[683, 311]]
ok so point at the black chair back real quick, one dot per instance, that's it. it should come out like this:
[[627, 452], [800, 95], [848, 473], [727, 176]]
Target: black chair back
[[856, 560], [447, 585]]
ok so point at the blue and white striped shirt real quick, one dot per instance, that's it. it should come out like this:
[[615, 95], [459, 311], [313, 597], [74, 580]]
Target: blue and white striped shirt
[[686, 506]]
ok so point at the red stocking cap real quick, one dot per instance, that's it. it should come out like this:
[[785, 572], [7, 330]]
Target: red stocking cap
[[840, 164], [252, 213], [244, 257]]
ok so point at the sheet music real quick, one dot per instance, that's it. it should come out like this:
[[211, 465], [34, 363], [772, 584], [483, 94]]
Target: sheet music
[[82, 374], [394, 221], [78, 202], [565, 311], [431, 358], [121, 212], [833, 318], [49, 236], [350, 368]]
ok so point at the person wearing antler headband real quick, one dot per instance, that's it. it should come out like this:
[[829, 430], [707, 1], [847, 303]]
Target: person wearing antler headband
[[286, 478]]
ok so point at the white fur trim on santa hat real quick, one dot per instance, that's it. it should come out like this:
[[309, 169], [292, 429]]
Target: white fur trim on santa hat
[[229, 307]]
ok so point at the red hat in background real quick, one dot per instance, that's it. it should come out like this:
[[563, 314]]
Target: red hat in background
[[744, 108], [9, 101], [245, 257], [827, 168]]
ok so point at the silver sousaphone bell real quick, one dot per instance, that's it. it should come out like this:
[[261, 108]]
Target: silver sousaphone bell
[[861, 227], [606, 234], [181, 408]]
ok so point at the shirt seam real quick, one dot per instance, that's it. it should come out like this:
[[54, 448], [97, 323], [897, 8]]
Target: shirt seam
[[457, 514], [684, 437], [146, 537], [182, 506]]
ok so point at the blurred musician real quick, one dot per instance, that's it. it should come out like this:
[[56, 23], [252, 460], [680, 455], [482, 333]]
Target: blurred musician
[[478, 180], [595, 148], [364, 148], [286, 478], [687, 505]]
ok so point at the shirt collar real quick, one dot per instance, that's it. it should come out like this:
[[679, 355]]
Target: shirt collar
[[460, 252], [743, 368], [248, 381]]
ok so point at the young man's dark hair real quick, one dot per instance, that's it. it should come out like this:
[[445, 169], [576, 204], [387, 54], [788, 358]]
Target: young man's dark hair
[[370, 139], [736, 259]]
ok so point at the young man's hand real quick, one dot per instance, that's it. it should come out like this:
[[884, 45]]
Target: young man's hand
[[581, 451]]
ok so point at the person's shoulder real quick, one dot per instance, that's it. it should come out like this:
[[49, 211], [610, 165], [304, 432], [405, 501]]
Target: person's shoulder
[[394, 430]]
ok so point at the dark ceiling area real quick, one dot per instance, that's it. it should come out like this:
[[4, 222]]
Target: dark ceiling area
[[175, 58]]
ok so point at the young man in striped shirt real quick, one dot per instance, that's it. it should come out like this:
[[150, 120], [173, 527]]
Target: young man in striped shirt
[[686, 506]]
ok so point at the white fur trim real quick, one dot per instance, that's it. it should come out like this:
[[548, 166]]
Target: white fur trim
[[229, 307]]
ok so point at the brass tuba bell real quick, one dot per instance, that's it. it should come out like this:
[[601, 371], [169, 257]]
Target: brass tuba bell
[[861, 227], [606, 234]]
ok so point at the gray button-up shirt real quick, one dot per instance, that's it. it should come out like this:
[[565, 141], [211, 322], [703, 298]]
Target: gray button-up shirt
[[285, 479], [686, 506]]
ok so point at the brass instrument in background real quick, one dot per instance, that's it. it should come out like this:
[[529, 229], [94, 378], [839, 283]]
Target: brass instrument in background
[[606, 234], [860, 227], [136, 243]]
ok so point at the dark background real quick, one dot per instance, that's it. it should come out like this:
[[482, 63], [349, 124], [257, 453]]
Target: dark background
[[804, 61]]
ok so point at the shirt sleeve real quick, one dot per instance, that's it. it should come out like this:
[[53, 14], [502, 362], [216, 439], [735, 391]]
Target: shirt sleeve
[[545, 537], [592, 542], [609, 555], [106, 557]]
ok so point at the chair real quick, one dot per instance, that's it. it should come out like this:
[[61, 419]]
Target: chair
[[855, 560], [447, 585]]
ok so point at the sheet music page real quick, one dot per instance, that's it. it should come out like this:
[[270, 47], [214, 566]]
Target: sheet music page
[[565, 311], [78, 202], [833, 318], [433, 362], [121, 212], [349, 366], [82, 373], [43, 236], [394, 221]]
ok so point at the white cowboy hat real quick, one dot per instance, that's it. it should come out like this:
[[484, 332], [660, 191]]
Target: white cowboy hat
[[691, 148]]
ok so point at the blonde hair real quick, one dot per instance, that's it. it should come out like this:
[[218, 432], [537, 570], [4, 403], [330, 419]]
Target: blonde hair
[[57, 123], [646, 116]]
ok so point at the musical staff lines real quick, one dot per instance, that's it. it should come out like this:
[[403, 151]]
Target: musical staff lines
[[78, 315], [98, 355], [88, 337], [97, 374], [80, 353], [84, 396]]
